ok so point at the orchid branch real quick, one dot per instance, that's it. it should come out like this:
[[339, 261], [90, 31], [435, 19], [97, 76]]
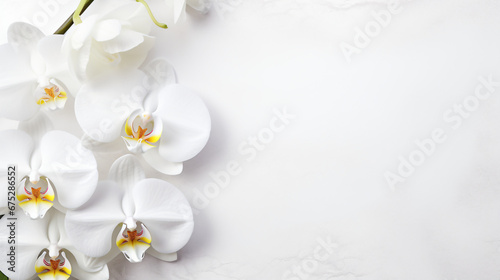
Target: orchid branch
[[84, 4], [75, 17]]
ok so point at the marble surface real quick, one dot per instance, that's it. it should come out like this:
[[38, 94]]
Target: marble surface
[[351, 139]]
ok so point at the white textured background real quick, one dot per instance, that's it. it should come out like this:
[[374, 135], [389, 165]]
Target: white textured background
[[321, 179]]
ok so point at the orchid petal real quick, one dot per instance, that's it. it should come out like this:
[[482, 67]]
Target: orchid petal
[[80, 273], [133, 58], [149, 268], [24, 36], [134, 243], [16, 68], [103, 105], [107, 30], [143, 131], [93, 268], [57, 65], [136, 14], [37, 126], [71, 167], [79, 60], [186, 123], [172, 257], [154, 159], [30, 241], [35, 198], [50, 50], [125, 41], [51, 96], [91, 227], [88, 265], [78, 37], [17, 84], [179, 9], [16, 148], [49, 269], [160, 73], [126, 171], [166, 212]]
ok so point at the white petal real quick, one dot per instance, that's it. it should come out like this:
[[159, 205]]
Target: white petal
[[57, 64], [91, 227], [56, 232], [107, 29], [45, 271], [18, 103], [133, 145], [79, 271], [102, 274], [78, 60], [133, 249], [37, 126], [135, 57], [149, 268], [179, 9], [186, 123], [166, 212], [126, 171], [16, 148], [18, 71], [35, 206], [135, 15], [17, 83], [154, 159], [31, 238], [24, 36], [160, 73], [127, 40], [103, 105], [172, 257], [78, 36], [71, 167]]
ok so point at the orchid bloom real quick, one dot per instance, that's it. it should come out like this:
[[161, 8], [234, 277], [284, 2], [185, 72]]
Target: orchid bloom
[[33, 76], [142, 215], [44, 251], [110, 40], [54, 171], [167, 124]]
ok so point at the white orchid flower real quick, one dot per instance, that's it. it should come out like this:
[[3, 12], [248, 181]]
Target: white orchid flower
[[107, 41], [167, 124], [33, 74], [54, 171], [43, 251], [143, 215]]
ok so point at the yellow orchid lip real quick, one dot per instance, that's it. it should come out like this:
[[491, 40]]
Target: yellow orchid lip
[[58, 268], [142, 132], [133, 243], [35, 198], [52, 96]]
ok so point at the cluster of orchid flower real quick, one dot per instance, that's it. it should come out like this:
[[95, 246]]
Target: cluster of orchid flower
[[74, 220]]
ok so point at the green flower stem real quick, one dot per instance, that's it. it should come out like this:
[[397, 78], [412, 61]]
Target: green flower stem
[[159, 24], [75, 18]]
